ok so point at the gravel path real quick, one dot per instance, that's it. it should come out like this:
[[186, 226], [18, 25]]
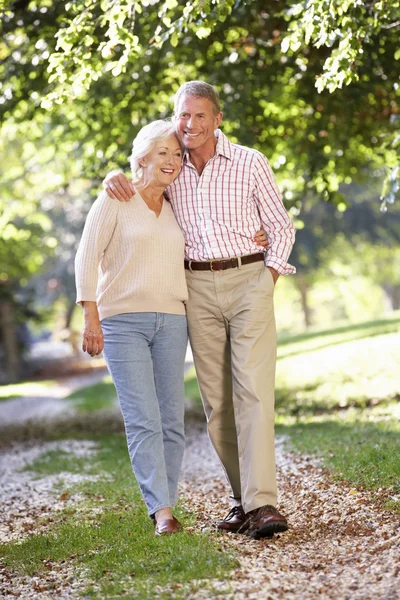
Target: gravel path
[[339, 546]]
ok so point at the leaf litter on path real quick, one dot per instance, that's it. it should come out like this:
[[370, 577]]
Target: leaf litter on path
[[340, 544]]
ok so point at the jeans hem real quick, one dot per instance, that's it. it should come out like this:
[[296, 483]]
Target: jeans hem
[[154, 510]]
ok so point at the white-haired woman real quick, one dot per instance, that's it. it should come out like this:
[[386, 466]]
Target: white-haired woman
[[130, 281]]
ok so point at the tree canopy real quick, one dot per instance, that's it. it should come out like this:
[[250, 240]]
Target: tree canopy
[[314, 84]]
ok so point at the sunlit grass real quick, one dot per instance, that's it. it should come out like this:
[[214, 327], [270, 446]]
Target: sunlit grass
[[116, 546], [337, 396], [94, 397], [360, 446], [314, 340], [28, 388], [359, 373]]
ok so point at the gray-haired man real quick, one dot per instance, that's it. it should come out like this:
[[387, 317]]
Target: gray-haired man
[[219, 199]]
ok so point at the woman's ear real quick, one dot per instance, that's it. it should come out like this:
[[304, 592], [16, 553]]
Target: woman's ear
[[142, 162]]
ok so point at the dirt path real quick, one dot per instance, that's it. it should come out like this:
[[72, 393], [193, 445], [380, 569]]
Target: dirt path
[[340, 545]]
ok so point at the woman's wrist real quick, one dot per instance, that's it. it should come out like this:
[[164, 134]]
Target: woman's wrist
[[89, 308]]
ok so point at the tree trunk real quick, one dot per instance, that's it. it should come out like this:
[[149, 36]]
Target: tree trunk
[[10, 341], [303, 288], [392, 293]]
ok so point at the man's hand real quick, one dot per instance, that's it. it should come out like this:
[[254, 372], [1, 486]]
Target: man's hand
[[119, 187], [261, 239], [274, 274]]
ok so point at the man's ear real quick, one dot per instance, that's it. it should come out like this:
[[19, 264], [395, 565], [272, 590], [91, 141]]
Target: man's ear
[[218, 120]]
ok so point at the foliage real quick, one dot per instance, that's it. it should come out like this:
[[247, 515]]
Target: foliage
[[313, 84], [26, 236], [132, 56]]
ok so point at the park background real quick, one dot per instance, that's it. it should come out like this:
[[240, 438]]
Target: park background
[[312, 84]]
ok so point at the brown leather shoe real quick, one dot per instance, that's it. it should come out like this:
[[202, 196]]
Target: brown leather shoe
[[167, 527], [265, 521], [234, 521]]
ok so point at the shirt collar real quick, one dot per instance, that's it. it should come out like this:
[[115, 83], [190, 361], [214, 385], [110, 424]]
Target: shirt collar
[[223, 147]]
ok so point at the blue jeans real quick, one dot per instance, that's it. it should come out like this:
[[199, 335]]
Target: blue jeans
[[145, 354]]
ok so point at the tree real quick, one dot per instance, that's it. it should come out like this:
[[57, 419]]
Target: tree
[[313, 84], [276, 67], [360, 239]]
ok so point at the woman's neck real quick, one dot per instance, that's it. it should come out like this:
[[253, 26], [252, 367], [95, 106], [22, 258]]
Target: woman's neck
[[150, 192]]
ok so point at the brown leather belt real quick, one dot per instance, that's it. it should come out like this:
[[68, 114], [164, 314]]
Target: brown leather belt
[[226, 263]]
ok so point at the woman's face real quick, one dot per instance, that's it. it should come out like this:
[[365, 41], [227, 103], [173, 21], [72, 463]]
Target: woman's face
[[162, 165]]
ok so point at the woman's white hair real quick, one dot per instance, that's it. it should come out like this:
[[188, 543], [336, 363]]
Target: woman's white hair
[[148, 136]]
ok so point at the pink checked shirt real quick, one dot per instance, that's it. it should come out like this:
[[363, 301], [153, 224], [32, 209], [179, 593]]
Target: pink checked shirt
[[220, 210]]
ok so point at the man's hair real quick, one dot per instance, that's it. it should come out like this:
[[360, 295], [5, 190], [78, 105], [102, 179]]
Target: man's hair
[[198, 89], [144, 142]]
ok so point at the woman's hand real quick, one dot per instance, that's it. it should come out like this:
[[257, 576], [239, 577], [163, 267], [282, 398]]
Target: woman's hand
[[119, 187], [92, 337], [261, 239]]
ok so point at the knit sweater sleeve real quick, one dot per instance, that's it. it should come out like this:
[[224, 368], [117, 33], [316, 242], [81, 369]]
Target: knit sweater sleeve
[[97, 233]]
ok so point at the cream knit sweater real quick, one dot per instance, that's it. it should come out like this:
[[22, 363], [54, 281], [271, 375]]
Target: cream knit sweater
[[129, 260]]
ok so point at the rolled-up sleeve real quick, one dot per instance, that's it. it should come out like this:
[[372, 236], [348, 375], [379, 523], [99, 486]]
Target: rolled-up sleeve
[[275, 220]]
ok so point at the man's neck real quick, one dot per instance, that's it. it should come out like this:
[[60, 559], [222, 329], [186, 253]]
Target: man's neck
[[200, 157]]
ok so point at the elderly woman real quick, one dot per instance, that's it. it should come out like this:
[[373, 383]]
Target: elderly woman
[[130, 282]]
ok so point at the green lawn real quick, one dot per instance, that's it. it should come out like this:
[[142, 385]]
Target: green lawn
[[115, 546], [338, 397], [94, 397], [28, 388]]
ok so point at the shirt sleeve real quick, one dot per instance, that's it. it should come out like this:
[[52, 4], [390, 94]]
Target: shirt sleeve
[[97, 233], [275, 220]]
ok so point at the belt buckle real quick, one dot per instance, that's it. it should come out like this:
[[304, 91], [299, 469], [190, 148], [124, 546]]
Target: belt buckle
[[211, 265]]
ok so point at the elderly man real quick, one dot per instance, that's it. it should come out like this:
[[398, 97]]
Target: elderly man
[[222, 193]]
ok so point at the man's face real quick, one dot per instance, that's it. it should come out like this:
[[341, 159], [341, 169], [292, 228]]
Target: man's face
[[196, 122]]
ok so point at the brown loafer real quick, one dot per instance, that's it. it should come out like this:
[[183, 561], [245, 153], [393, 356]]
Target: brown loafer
[[167, 527], [235, 520], [265, 521]]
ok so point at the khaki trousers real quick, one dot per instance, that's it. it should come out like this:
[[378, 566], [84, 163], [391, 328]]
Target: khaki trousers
[[233, 338]]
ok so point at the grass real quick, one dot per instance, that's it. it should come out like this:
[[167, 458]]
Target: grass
[[94, 397], [116, 549], [359, 447], [337, 396], [353, 373], [28, 388], [313, 340], [59, 461]]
